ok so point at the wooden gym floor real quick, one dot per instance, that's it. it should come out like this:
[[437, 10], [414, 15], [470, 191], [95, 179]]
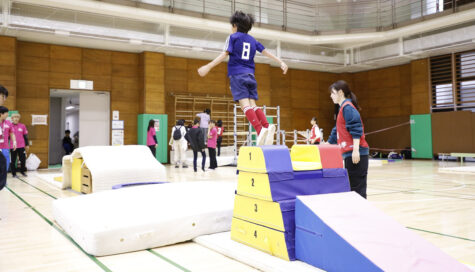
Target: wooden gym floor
[[437, 206]]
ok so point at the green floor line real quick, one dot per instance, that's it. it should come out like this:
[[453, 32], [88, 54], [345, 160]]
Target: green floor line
[[447, 235], [168, 260], [94, 259], [36, 187]]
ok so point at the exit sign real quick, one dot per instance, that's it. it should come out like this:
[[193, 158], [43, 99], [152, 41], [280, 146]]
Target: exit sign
[[82, 84]]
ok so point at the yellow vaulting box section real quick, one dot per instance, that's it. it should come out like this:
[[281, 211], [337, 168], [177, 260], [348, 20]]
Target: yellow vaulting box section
[[305, 157], [76, 175], [254, 185], [264, 159], [266, 239], [270, 214]]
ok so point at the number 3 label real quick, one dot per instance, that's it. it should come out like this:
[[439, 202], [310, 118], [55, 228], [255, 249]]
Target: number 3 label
[[246, 50]]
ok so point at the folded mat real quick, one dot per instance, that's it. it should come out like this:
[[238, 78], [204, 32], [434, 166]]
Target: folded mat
[[112, 165], [142, 217]]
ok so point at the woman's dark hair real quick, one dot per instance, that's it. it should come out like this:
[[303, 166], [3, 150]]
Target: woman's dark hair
[[196, 121], [3, 91], [314, 119], [151, 123], [180, 122], [208, 111], [342, 85], [67, 131], [219, 123], [242, 21], [3, 109]]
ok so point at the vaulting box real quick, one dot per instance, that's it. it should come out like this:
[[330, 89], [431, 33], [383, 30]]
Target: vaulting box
[[278, 243], [76, 174], [271, 159], [279, 187], [305, 157], [331, 156]]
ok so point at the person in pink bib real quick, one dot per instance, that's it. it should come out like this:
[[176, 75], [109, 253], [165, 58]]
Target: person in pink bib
[[21, 136], [6, 128], [212, 140], [152, 142]]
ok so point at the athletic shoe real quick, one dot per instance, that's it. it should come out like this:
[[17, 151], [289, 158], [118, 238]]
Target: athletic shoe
[[270, 134], [14, 176], [261, 139], [24, 174]]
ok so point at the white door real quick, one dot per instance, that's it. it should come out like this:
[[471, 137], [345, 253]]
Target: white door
[[94, 118]]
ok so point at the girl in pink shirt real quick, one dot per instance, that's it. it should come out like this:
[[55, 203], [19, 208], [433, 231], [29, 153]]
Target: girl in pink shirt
[[212, 139], [152, 142], [6, 130], [21, 135]]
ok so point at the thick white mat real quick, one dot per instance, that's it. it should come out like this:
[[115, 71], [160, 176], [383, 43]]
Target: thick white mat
[[148, 216], [222, 243], [112, 165], [458, 170]]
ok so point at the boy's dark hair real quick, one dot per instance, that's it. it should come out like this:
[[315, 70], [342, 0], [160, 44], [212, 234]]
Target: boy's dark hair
[[196, 121], [208, 111], [67, 131], [180, 122], [3, 91], [219, 123], [242, 21], [3, 109]]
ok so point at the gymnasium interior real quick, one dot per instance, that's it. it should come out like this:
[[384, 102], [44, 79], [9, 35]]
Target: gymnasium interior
[[105, 70]]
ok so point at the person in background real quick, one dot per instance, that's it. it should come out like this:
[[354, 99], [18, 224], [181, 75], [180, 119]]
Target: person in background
[[152, 141], [179, 144], [67, 142], [7, 135], [196, 139], [349, 135], [204, 120], [21, 135], [315, 135], [219, 127], [3, 160], [212, 140]]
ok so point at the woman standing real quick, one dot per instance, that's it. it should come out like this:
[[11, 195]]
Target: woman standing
[[152, 142], [349, 134]]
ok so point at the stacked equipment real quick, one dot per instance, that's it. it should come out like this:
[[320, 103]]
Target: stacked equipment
[[269, 180]]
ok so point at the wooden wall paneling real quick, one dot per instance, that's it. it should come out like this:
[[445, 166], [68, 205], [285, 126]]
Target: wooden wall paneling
[[263, 85], [176, 74], [472, 150], [326, 107], [65, 64], [96, 66], [33, 93], [397, 138], [8, 64], [405, 89], [154, 82], [125, 91], [452, 131], [281, 96], [420, 98], [214, 83]]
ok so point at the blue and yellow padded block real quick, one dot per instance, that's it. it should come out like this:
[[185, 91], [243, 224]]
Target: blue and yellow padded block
[[276, 188], [275, 215], [305, 157], [270, 159], [274, 242]]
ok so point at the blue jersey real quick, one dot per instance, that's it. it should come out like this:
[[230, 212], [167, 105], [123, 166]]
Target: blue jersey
[[242, 49]]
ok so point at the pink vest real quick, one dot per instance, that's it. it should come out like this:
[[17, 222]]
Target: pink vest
[[344, 137], [19, 130]]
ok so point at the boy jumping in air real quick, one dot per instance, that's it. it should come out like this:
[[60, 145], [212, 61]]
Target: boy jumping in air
[[241, 48]]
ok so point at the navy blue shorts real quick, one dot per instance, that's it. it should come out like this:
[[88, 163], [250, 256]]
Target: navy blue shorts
[[243, 86]]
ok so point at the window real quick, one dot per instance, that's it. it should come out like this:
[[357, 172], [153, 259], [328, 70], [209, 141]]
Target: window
[[453, 82]]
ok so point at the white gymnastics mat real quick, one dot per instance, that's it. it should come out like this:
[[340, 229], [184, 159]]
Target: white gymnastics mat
[[222, 243], [148, 216], [113, 165]]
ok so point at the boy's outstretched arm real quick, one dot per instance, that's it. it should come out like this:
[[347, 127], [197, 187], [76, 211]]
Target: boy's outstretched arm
[[283, 66], [204, 70]]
